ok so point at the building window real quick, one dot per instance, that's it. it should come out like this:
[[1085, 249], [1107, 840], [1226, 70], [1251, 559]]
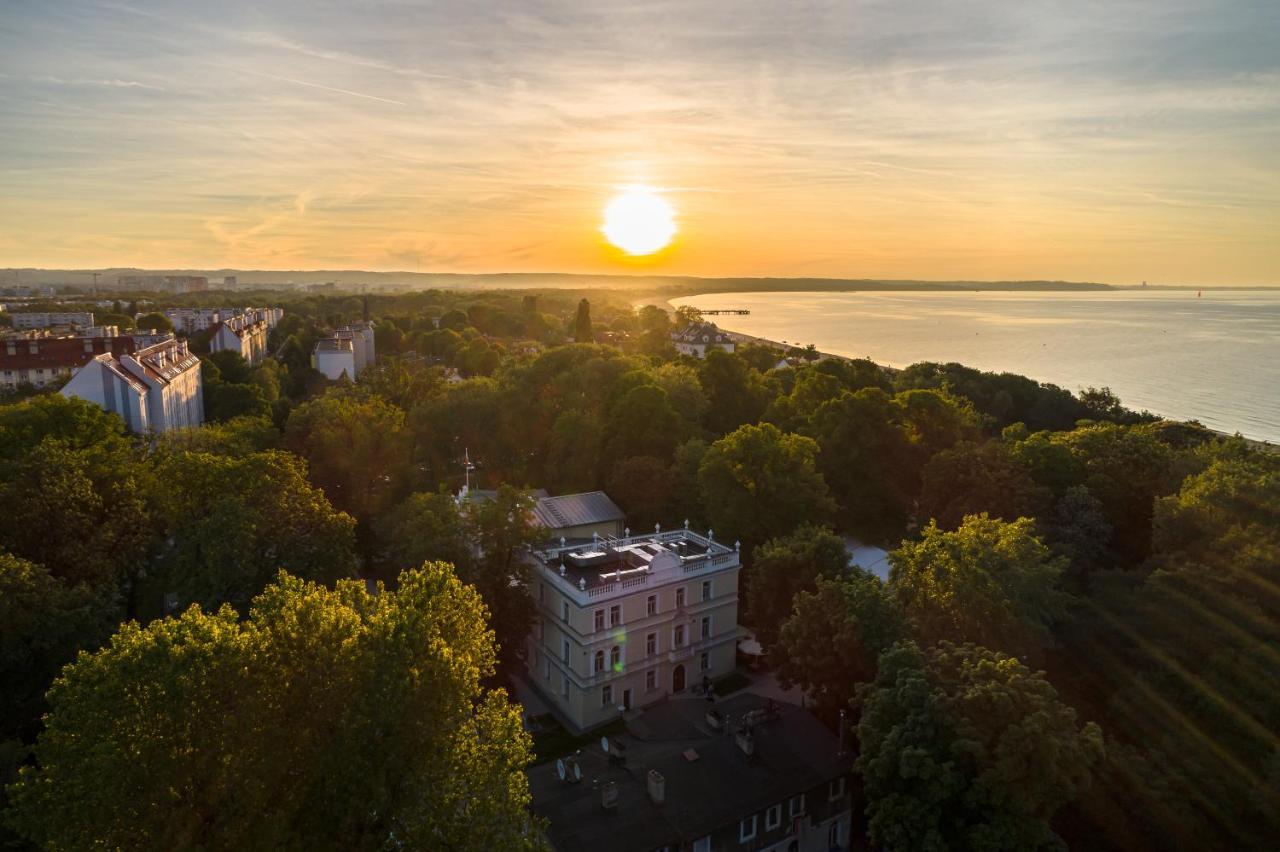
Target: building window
[[702, 844], [598, 666], [835, 789], [564, 685], [606, 695], [564, 611], [615, 659], [546, 670], [651, 644], [678, 639], [706, 627], [833, 835], [747, 829], [653, 605], [773, 818], [599, 620], [796, 806], [564, 650], [615, 615], [706, 590], [542, 592], [651, 680], [704, 662], [680, 596]]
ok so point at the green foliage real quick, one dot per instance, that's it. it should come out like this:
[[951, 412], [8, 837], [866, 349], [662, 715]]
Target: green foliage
[[834, 634], [782, 567], [966, 748], [356, 446], [46, 621], [642, 487], [759, 483], [234, 522], [582, 323], [989, 582], [231, 366], [737, 394], [225, 401], [327, 720], [154, 322], [969, 479]]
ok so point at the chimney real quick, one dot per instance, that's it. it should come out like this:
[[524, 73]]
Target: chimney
[[657, 787]]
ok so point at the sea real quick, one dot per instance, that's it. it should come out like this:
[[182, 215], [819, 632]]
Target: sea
[[1211, 355]]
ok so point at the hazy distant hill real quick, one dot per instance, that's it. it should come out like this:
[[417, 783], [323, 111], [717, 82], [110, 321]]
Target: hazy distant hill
[[668, 285]]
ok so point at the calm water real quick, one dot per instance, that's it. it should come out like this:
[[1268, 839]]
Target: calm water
[[1215, 359]]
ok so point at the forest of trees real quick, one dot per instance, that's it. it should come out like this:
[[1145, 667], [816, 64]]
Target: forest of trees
[[1079, 640]]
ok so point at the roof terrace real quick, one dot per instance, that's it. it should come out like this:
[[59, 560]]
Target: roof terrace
[[607, 567]]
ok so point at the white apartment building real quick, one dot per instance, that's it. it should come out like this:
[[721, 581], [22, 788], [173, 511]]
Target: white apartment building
[[349, 351], [45, 319], [625, 622], [193, 320], [697, 338], [153, 389], [242, 334]]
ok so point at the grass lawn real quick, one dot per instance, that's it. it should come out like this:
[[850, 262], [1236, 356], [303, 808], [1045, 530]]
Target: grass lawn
[[552, 740]]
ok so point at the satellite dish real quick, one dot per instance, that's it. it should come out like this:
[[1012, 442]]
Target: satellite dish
[[604, 744], [560, 770]]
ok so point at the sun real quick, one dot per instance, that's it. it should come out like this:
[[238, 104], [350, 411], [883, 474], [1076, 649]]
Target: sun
[[638, 221]]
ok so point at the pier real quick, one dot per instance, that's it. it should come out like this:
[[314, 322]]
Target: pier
[[724, 311]]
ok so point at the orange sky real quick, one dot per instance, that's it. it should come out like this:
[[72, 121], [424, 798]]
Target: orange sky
[[976, 140]]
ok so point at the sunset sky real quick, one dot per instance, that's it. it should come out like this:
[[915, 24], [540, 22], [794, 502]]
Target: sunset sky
[[1108, 141]]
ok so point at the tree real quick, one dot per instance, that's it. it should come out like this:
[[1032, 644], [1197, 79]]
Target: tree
[[501, 530], [966, 748], [784, 566], [737, 394], [643, 488], [426, 527], [225, 401], [233, 522], [326, 720], [356, 446], [231, 366], [968, 479], [759, 483], [643, 423], [46, 621], [154, 322], [834, 634], [989, 582], [582, 323]]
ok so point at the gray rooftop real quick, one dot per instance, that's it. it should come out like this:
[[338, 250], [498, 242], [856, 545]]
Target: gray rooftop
[[793, 753], [571, 510]]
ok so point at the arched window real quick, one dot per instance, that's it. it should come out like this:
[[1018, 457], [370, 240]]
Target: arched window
[[615, 658], [599, 666]]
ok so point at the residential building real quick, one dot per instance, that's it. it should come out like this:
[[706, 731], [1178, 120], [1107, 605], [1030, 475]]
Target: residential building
[[349, 351], [154, 389], [698, 337], [744, 773], [241, 334], [164, 283], [578, 517], [38, 360], [334, 357], [625, 622], [193, 320], [45, 319]]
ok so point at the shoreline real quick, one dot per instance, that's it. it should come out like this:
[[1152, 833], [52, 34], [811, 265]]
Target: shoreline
[[742, 338]]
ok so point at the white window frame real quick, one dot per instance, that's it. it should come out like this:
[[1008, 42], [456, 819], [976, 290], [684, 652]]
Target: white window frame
[[651, 605], [597, 661], [651, 680], [597, 621], [564, 650], [704, 661], [702, 844], [564, 611], [606, 695], [833, 835], [835, 789], [792, 810], [677, 636], [743, 834], [615, 658], [615, 609], [680, 596], [707, 627], [773, 817], [708, 590], [651, 645]]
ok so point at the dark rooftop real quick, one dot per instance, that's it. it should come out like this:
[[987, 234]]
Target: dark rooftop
[[719, 786]]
